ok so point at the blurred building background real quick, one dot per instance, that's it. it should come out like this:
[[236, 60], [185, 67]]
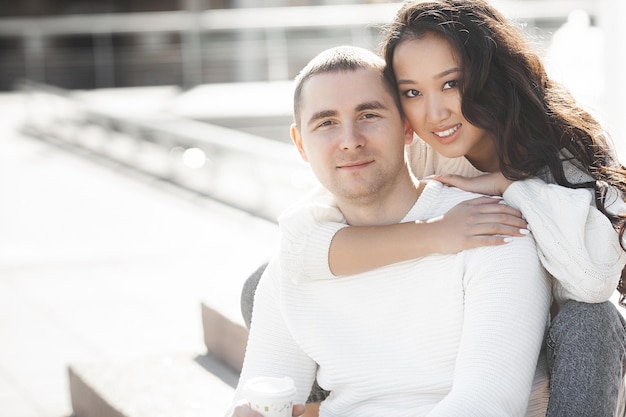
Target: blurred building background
[[89, 44], [95, 44]]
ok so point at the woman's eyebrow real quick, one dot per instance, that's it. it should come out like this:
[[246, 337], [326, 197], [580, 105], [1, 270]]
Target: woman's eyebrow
[[442, 74], [447, 72]]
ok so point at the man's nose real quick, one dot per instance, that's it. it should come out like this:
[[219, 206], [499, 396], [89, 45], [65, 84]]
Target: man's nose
[[351, 137]]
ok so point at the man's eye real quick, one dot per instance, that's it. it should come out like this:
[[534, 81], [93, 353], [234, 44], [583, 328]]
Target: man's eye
[[370, 116], [411, 93]]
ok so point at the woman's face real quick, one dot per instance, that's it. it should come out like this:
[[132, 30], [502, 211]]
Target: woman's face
[[427, 75]]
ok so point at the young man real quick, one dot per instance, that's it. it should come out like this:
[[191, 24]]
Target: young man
[[443, 335]]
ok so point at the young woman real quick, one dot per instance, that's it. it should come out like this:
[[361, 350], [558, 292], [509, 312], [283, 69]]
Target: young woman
[[491, 121]]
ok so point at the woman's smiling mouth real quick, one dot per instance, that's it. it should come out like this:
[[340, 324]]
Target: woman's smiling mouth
[[447, 132]]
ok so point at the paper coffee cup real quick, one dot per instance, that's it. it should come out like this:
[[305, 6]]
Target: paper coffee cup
[[272, 397]]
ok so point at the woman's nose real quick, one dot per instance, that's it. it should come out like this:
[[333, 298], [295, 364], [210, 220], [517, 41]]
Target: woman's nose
[[436, 109]]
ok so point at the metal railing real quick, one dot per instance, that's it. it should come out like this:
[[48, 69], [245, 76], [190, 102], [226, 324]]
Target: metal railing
[[254, 174]]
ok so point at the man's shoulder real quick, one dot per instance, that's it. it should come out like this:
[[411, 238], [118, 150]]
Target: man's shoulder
[[451, 196], [437, 199], [318, 205]]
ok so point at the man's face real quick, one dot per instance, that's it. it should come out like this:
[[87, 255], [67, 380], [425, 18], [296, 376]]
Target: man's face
[[352, 134]]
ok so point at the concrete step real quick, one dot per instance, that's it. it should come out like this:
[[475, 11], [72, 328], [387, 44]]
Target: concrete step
[[164, 386], [224, 338], [224, 328], [172, 385]]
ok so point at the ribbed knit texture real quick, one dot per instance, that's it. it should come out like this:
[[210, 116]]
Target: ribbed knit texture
[[307, 229], [446, 335]]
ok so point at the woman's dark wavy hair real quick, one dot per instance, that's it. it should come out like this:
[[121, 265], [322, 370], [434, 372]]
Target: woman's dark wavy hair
[[506, 92]]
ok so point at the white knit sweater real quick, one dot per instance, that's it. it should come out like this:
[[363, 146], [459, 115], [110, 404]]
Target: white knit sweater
[[576, 243], [445, 335]]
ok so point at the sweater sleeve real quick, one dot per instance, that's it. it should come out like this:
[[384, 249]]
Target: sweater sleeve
[[507, 299], [271, 349], [577, 244], [307, 229]]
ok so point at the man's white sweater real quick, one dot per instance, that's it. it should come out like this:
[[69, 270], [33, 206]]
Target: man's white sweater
[[444, 335]]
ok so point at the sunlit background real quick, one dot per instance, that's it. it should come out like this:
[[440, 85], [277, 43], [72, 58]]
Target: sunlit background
[[145, 157], [105, 74]]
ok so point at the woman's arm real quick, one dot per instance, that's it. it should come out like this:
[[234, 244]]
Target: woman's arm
[[470, 224], [577, 244], [317, 244]]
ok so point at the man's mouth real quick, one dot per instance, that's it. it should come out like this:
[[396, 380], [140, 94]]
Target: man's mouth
[[355, 164]]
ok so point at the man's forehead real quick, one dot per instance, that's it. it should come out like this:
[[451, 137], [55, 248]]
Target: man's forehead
[[344, 88], [341, 74]]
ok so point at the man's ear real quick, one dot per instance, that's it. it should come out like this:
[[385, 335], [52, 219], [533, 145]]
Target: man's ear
[[408, 132], [297, 140]]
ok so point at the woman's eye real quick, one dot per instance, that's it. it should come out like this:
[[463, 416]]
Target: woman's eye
[[411, 93], [450, 84]]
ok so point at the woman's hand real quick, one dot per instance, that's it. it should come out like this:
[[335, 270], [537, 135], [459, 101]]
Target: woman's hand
[[481, 221], [493, 183], [245, 411]]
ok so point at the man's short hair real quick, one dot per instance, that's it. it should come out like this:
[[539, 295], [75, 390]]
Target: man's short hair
[[340, 59]]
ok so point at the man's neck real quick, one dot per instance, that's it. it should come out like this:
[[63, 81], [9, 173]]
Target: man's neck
[[387, 207]]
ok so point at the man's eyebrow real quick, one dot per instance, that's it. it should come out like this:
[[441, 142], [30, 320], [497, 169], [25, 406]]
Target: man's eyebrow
[[321, 115], [371, 105]]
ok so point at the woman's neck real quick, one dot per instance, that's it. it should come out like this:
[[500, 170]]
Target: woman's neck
[[484, 159]]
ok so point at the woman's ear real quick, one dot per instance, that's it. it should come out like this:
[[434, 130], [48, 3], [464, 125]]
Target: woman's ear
[[408, 132], [297, 140]]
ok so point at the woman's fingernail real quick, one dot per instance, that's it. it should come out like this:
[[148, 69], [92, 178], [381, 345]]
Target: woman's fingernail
[[524, 231]]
